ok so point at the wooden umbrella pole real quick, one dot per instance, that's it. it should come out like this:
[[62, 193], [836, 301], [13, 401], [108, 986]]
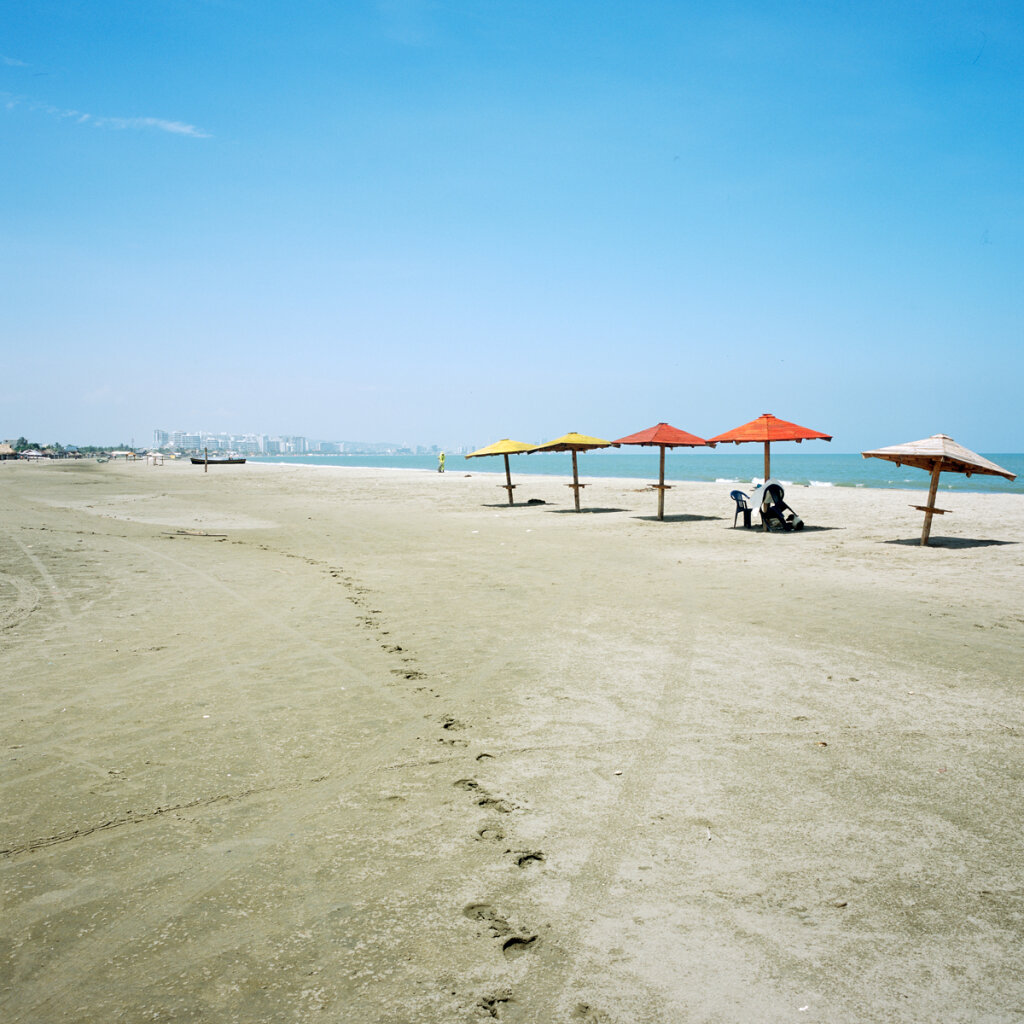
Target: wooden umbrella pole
[[932, 492], [508, 479], [661, 484], [575, 480], [767, 461]]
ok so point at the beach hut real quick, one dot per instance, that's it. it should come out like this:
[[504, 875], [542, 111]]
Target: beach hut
[[937, 454], [664, 436], [767, 428], [504, 447], [574, 443]]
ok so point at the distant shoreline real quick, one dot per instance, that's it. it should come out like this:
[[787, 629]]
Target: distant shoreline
[[732, 470]]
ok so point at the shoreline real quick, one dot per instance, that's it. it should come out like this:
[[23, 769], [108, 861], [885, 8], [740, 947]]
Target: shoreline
[[625, 482], [800, 476]]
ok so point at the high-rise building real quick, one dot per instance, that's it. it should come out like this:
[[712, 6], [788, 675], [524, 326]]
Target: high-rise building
[[187, 442]]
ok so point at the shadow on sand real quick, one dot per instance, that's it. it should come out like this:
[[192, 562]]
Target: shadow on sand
[[584, 511], [787, 533], [682, 517], [518, 504], [950, 542]]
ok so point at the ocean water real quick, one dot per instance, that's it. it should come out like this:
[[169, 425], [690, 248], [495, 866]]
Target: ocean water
[[728, 468]]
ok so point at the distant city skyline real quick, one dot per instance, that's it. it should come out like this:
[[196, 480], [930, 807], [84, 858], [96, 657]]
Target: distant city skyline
[[287, 444]]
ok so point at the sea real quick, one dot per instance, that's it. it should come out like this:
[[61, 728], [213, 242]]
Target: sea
[[729, 469]]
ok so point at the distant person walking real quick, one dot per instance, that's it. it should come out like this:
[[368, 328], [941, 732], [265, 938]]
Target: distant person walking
[[440, 463]]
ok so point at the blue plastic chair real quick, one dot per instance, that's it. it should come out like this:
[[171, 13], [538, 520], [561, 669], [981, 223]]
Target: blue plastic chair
[[742, 505]]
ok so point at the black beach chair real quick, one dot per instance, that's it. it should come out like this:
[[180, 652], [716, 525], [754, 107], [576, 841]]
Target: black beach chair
[[775, 513]]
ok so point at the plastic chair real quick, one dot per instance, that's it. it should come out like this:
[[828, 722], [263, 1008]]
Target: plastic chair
[[742, 505]]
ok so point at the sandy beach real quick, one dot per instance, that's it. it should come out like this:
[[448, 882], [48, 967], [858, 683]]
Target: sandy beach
[[289, 744]]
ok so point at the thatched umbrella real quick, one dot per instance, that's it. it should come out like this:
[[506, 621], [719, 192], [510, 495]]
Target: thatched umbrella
[[767, 428], [573, 443], [504, 447], [937, 454], [664, 436]]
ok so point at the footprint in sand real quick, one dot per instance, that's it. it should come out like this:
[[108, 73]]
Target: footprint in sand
[[495, 803], [526, 858], [485, 913], [492, 1004], [514, 945], [518, 945], [587, 1014]]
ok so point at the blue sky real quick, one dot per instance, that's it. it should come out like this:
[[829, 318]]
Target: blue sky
[[450, 222]]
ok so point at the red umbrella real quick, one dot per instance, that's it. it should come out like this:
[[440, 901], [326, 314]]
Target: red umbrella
[[664, 436], [767, 428]]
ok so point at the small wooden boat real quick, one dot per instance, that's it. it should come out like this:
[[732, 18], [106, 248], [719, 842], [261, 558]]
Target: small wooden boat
[[197, 461]]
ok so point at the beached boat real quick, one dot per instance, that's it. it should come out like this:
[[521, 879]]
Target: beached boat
[[199, 461]]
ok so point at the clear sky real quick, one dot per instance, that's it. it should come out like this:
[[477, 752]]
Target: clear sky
[[451, 222]]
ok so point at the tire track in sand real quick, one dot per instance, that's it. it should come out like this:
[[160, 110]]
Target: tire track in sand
[[59, 599], [549, 988], [26, 601]]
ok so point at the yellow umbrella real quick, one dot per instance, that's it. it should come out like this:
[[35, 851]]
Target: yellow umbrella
[[574, 443], [504, 447]]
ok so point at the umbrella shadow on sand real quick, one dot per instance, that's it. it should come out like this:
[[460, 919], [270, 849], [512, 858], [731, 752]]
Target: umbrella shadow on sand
[[681, 517], [951, 542], [591, 511], [532, 503]]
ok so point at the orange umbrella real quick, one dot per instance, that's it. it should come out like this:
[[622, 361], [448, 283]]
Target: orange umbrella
[[767, 428], [664, 436]]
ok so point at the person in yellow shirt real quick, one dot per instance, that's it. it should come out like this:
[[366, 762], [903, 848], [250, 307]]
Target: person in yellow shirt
[[440, 463]]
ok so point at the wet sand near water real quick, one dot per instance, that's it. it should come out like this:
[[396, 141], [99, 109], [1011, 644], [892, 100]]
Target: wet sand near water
[[354, 745]]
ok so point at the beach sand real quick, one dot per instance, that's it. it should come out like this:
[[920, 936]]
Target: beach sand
[[371, 746]]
